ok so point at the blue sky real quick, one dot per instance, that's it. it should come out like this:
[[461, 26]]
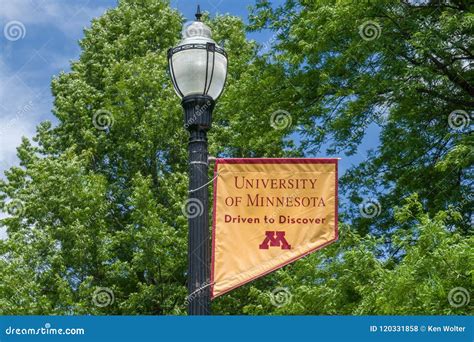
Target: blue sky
[[45, 42], [39, 38]]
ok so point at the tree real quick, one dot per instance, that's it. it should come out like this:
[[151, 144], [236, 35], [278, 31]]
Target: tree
[[350, 277], [97, 223], [405, 67]]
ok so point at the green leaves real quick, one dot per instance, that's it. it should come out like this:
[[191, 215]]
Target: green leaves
[[101, 228], [96, 223], [400, 69], [350, 278]]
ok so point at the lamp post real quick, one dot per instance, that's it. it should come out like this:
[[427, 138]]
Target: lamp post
[[198, 69]]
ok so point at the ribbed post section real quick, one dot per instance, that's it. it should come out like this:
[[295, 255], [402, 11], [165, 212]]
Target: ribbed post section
[[198, 111]]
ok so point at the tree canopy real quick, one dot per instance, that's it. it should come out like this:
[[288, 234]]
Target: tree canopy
[[96, 223]]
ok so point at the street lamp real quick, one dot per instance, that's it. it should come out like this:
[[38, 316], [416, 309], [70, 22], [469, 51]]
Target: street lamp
[[198, 70]]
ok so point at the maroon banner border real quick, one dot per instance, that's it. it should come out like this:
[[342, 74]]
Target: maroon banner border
[[268, 161]]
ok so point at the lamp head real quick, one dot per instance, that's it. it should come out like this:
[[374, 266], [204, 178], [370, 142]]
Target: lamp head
[[197, 65]]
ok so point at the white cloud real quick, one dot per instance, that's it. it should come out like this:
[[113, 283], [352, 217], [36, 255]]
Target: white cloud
[[3, 230], [25, 98], [69, 17], [19, 105]]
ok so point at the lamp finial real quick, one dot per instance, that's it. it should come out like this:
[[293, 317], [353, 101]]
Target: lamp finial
[[198, 13]]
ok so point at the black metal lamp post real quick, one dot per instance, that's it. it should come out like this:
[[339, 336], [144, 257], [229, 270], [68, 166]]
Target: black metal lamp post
[[198, 69]]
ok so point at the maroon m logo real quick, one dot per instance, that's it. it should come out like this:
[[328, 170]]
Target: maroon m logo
[[275, 239]]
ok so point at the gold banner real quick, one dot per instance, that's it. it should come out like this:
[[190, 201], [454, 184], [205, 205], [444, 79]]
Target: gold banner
[[269, 213]]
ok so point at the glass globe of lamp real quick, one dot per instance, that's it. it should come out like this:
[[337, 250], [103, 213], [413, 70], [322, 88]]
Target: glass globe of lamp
[[198, 66]]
